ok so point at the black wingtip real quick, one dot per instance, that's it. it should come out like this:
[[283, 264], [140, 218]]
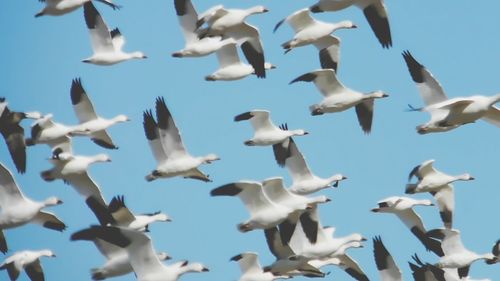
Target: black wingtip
[[243, 116], [414, 67], [90, 13], [229, 189], [278, 25], [150, 125], [180, 7], [76, 91], [308, 77], [236, 258]]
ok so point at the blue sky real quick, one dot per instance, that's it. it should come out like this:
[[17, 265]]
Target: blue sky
[[458, 43]]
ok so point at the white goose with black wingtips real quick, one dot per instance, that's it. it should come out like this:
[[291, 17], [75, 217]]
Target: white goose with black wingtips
[[251, 269], [448, 114], [90, 122], [338, 98], [374, 10], [106, 44], [144, 260], [17, 210], [61, 7], [266, 133], [304, 181], [168, 149], [28, 261]]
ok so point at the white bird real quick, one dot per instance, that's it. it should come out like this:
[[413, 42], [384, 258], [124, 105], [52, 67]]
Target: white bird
[[61, 7], [230, 66], [266, 133], [339, 98], [230, 23], [429, 272], [13, 133], [195, 47], [323, 244], [17, 210], [447, 114], [73, 169], [264, 213], [344, 261], [106, 44], [28, 261], [251, 269], [402, 207], [308, 30], [374, 10], [386, 266], [144, 260], [304, 181], [56, 135], [275, 190], [287, 262], [117, 261], [430, 179], [90, 122], [455, 254], [125, 218], [166, 144]]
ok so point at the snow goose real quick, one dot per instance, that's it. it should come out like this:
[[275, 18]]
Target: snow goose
[[107, 44], [195, 47], [287, 262], [386, 266], [266, 133], [339, 98], [430, 179], [230, 66], [166, 144], [251, 269], [56, 135], [374, 10], [344, 261], [496, 252], [455, 254], [73, 169], [117, 261], [447, 114], [61, 7], [323, 244], [27, 260], [13, 133], [402, 207], [304, 181], [90, 122], [308, 30], [139, 247], [264, 213], [230, 23], [276, 192], [18, 210], [125, 218]]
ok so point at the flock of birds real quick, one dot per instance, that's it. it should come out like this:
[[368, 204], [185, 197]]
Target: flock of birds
[[288, 217]]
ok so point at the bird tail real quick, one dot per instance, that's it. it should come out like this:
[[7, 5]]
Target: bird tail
[[315, 110], [410, 188], [150, 177], [97, 274]]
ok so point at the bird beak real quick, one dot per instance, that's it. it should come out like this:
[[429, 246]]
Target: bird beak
[[385, 95], [265, 10], [205, 269], [354, 26]]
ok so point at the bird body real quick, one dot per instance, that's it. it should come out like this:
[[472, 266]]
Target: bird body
[[26, 260]]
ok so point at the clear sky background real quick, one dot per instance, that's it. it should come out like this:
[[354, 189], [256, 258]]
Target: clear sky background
[[457, 40]]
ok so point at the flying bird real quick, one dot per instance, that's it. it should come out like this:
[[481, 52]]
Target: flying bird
[[27, 260], [106, 44], [168, 149], [251, 270], [61, 7]]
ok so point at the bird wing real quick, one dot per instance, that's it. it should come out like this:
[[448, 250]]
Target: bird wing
[[81, 103], [153, 136], [300, 20], [100, 36], [17, 147], [376, 14], [251, 45], [324, 79], [102, 138], [86, 186], [11, 270], [34, 271], [451, 243], [49, 220], [187, 16], [386, 266], [249, 263], [329, 51], [258, 118], [107, 249], [493, 116], [411, 219], [120, 212], [364, 111], [296, 163], [250, 193], [275, 244], [426, 168], [446, 202], [227, 55], [9, 190], [351, 267], [117, 39], [170, 135], [3, 243], [429, 88]]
